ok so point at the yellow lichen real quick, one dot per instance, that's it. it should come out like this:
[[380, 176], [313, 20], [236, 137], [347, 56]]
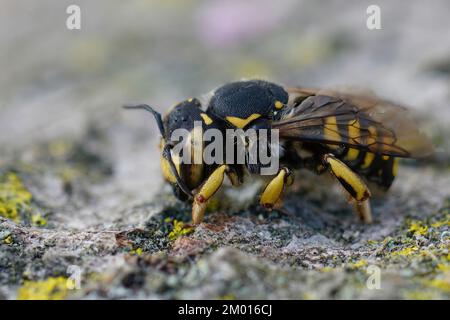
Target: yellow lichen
[[71, 284], [68, 174], [443, 267], [179, 229], [309, 296], [8, 240], [14, 197], [417, 228], [442, 223], [53, 288], [38, 220], [441, 284], [168, 220], [229, 296], [359, 264], [406, 251], [137, 251], [59, 148], [420, 295]]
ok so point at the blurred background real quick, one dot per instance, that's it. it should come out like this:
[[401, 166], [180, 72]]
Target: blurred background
[[61, 90]]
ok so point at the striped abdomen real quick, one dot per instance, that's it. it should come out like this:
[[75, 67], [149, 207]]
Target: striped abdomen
[[378, 168]]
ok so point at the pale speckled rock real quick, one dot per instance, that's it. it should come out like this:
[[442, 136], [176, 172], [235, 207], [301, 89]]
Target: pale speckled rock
[[93, 169]]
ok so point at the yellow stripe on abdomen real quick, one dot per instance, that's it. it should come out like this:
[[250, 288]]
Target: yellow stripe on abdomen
[[352, 154], [372, 139], [331, 131], [368, 160], [353, 135]]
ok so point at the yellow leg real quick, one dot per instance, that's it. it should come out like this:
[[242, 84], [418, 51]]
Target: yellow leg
[[353, 184], [211, 185], [272, 192]]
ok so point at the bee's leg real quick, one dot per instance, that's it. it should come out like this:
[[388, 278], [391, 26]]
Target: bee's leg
[[363, 210], [353, 184], [211, 185], [273, 190]]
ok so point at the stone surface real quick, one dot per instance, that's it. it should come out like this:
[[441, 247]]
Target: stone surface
[[80, 186]]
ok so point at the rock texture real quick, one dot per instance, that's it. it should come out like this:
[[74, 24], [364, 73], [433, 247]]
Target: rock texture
[[85, 214]]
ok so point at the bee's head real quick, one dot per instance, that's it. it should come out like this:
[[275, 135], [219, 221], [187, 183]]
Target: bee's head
[[177, 132]]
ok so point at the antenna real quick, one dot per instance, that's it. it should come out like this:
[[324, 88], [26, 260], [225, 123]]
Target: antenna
[[156, 114]]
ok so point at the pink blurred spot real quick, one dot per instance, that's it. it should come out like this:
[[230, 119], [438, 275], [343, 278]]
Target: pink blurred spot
[[222, 23]]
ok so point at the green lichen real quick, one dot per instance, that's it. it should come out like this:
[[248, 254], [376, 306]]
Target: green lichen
[[53, 288], [14, 197]]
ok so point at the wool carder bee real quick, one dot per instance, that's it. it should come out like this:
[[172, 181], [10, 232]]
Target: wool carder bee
[[354, 136]]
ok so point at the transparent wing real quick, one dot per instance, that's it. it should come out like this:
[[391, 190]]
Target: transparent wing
[[355, 119]]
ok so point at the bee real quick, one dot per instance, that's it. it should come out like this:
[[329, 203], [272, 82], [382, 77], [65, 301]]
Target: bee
[[354, 136]]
